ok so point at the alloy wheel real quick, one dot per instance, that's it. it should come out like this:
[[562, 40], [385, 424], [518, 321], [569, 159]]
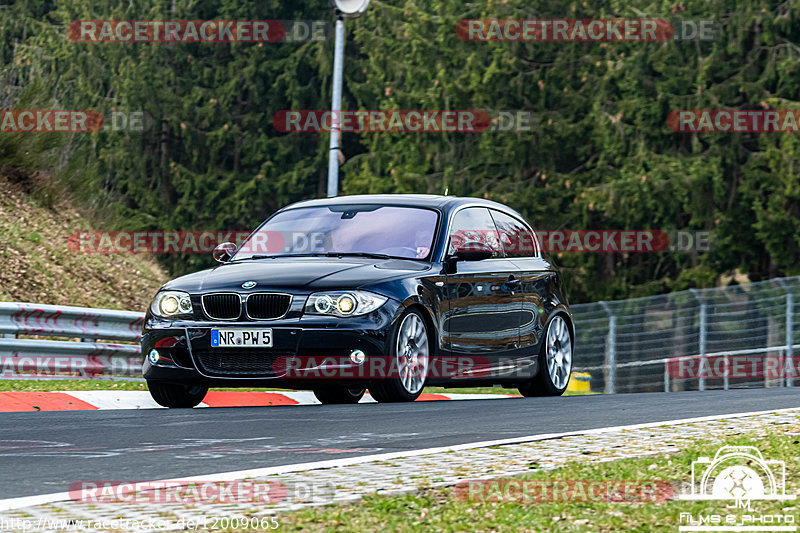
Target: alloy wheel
[[559, 352], [412, 353]]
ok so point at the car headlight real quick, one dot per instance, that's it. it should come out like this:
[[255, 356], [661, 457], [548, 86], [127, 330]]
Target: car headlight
[[343, 303], [168, 304]]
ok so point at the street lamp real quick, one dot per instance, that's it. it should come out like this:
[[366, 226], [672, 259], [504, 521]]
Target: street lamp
[[344, 9]]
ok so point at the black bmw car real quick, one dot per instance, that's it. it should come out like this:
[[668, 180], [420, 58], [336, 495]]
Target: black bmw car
[[382, 292]]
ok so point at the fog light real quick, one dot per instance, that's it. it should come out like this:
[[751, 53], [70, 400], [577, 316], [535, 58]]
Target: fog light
[[358, 357], [154, 356]]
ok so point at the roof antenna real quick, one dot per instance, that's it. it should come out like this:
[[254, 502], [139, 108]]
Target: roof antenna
[[446, 190]]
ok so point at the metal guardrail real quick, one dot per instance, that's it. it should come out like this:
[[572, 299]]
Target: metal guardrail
[[66, 321], [719, 338], [739, 336], [87, 358]]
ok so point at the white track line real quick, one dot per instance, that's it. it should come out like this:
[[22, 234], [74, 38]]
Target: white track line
[[17, 503]]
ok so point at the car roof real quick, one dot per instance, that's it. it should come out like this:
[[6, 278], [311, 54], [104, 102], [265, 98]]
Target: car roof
[[444, 203]]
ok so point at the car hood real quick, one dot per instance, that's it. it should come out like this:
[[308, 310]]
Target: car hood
[[311, 273]]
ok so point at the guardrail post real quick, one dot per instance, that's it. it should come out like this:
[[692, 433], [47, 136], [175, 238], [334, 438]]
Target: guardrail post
[[611, 350], [725, 383], [701, 349], [789, 363]]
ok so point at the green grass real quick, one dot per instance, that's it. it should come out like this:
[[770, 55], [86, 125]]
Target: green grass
[[104, 384], [471, 390], [82, 384], [440, 510], [68, 384]]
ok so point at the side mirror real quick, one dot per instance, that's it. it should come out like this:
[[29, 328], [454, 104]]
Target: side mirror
[[224, 251], [474, 255]]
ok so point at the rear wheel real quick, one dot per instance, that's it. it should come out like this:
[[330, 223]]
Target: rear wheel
[[410, 356], [340, 395], [555, 362], [176, 394]]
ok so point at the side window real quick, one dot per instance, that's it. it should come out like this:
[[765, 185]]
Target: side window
[[517, 239], [473, 229]]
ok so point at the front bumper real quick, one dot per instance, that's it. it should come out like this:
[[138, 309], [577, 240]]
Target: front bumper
[[307, 351]]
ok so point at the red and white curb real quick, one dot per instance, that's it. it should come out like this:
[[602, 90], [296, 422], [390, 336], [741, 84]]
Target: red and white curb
[[102, 399]]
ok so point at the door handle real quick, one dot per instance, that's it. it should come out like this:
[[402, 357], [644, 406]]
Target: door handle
[[512, 284]]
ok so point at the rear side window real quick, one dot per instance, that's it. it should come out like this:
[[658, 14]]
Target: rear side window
[[473, 229], [517, 239]]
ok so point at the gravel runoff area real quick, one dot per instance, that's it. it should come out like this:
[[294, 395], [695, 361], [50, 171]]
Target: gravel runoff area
[[323, 484]]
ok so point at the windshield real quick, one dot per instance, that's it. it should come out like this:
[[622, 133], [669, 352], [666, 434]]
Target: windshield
[[402, 232]]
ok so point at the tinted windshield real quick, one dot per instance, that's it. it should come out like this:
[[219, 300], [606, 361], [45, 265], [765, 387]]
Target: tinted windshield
[[404, 232]]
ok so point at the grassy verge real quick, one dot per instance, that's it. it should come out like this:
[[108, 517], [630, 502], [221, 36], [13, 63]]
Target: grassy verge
[[31, 385], [105, 384], [441, 510], [41, 255], [83, 384], [471, 390]]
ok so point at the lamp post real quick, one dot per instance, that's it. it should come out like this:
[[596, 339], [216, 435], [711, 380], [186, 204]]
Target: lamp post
[[344, 9]]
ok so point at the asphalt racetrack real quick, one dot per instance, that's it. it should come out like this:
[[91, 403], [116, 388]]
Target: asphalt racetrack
[[45, 452]]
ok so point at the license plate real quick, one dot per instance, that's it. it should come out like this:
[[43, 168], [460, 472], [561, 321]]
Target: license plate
[[241, 338]]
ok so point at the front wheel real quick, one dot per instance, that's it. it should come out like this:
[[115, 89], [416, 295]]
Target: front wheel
[[177, 395], [340, 395], [410, 357], [555, 362]]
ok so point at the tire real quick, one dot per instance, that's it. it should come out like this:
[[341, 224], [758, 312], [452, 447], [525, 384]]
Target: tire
[[176, 395], [409, 350], [340, 395], [555, 362]]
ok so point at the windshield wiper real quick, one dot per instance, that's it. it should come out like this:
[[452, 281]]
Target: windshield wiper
[[273, 256], [355, 254], [319, 254]]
